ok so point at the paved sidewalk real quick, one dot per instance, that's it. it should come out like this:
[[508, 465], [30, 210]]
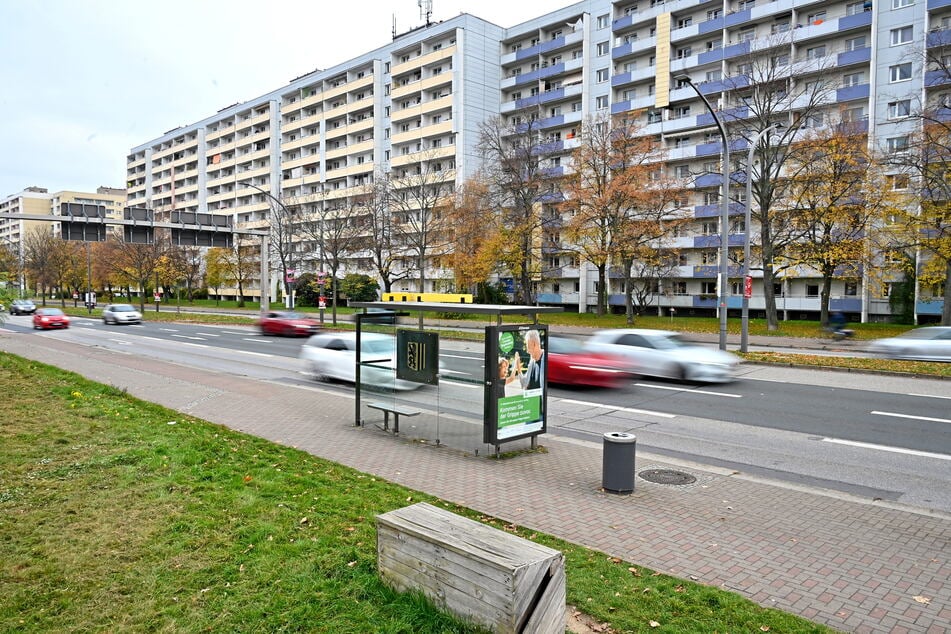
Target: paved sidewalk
[[854, 565]]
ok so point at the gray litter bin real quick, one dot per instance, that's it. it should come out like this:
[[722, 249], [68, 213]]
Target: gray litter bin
[[617, 475]]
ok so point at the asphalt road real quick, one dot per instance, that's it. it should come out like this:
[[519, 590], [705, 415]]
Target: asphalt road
[[876, 436]]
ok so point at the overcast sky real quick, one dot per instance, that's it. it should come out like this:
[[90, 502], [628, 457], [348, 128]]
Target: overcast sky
[[84, 81]]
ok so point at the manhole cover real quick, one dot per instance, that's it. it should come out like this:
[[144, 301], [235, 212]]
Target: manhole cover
[[667, 476]]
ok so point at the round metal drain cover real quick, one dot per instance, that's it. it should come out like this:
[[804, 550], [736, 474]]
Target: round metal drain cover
[[667, 476]]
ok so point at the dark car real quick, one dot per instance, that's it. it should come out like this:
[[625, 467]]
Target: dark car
[[570, 362], [22, 307], [46, 318], [288, 324]]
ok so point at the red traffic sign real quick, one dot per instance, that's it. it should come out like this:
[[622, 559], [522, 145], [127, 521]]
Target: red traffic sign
[[748, 287]]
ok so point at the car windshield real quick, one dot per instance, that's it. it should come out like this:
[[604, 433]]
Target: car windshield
[[52, 311], [921, 333], [564, 345], [668, 342], [290, 316], [379, 346], [123, 308]]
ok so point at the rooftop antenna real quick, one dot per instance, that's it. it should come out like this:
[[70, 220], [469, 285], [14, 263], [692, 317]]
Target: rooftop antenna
[[425, 10], [394, 26]]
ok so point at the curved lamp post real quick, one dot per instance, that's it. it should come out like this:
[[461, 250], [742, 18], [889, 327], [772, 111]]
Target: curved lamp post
[[747, 283], [722, 286], [265, 255]]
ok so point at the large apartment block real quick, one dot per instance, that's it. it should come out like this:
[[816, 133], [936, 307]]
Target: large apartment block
[[414, 107]]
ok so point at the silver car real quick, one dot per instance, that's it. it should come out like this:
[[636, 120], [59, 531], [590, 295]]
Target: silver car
[[666, 354], [931, 343], [332, 355], [121, 314]]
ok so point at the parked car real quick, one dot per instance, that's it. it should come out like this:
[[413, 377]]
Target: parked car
[[931, 343], [22, 307], [288, 324], [47, 318], [666, 354], [121, 314], [332, 355], [571, 362]]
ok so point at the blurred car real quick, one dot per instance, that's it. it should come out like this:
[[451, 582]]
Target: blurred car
[[931, 343], [382, 319], [571, 362], [22, 307], [665, 354], [121, 314], [46, 318], [288, 324], [333, 355]]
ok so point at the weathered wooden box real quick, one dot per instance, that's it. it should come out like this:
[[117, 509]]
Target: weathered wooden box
[[482, 574]]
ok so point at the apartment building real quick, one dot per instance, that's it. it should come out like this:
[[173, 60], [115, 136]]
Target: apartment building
[[412, 109]]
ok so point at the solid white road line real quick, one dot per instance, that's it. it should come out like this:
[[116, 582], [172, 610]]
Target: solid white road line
[[868, 445], [925, 418], [189, 337], [929, 396], [687, 389], [631, 410], [257, 340]]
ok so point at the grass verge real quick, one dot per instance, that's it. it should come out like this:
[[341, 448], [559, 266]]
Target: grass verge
[[121, 515]]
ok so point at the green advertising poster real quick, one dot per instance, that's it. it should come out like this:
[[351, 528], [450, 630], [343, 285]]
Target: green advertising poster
[[515, 398]]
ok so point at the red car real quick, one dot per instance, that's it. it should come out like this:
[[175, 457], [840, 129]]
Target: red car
[[571, 363], [288, 324], [46, 318]]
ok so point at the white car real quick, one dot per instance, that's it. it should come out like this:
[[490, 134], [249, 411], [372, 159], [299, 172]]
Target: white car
[[121, 314], [663, 353], [332, 355], [931, 343]]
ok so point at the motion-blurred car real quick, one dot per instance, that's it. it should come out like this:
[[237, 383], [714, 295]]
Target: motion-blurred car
[[666, 354], [332, 355], [121, 314], [571, 362], [931, 343], [22, 307], [47, 318], [288, 324]]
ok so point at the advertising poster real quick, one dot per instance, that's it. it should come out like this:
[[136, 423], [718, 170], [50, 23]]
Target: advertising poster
[[516, 387]]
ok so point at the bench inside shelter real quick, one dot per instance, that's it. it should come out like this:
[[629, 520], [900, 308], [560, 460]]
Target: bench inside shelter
[[396, 410]]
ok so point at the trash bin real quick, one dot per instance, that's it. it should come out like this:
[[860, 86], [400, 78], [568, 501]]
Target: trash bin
[[617, 474]]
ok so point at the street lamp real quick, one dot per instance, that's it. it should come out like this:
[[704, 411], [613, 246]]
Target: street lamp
[[747, 282], [265, 273], [722, 289]]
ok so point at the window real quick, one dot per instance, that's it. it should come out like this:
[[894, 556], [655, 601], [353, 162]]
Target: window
[[900, 4], [812, 290], [714, 75], [855, 43], [601, 103], [602, 75], [602, 49], [683, 141], [853, 79], [896, 145], [852, 115], [683, 23], [814, 120], [816, 18], [683, 53], [603, 21], [854, 8], [780, 27], [899, 72], [747, 34], [780, 60], [851, 289], [654, 116], [682, 171], [816, 52], [899, 109], [681, 111], [901, 35], [713, 14]]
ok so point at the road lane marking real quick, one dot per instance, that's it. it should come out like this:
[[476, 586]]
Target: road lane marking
[[925, 418], [686, 389], [868, 445], [630, 410], [189, 337], [929, 396], [169, 329], [256, 340], [208, 334], [256, 354], [121, 342]]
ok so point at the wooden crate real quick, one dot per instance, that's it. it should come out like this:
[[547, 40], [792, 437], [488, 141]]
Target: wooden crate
[[492, 578]]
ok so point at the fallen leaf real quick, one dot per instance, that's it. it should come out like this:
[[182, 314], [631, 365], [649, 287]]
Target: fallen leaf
[[654, 624], [921, 599], [247, 478], [634, 571], [763, 628], [352, 564], [615, 560], [678, 588], [303, 520]]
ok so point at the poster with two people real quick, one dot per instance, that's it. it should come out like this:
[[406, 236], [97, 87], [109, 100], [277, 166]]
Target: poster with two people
[[516, 389]]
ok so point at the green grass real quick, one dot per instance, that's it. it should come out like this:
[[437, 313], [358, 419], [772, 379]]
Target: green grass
[[121, 515]]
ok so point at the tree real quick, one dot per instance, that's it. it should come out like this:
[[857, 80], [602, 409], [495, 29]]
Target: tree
[[240, 264], [615, 195], [518, 182], [834, 195], [216, 270], [474, 238], [380, 239], [284, 239], [135, 264], [359, 287], [775, 84], [39, 258]]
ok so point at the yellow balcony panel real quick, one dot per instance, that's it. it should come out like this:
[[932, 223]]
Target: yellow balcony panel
[[423, 60], [359, 126], [300, 161], [185, 189], [413, 134], [361, 168], [436, 129], [312, 100], [423, 155], [293, 145], [413, 112], [261, 119], [411, 88], [442, 79], [312, 120]]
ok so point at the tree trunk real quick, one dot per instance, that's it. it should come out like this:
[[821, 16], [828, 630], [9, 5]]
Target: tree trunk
[[824, 296], [769, 295], [946, 310], [602, 289]]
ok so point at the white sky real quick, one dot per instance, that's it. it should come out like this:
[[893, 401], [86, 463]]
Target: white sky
[[84, 81]]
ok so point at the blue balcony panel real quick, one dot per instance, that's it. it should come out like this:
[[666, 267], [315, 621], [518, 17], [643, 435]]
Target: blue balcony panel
[[534, 100], [710, 25], [706, 241], [731, 114], [552, 95], [708, 57], [708, 180], [620, 23], [851, 93], [616, 299], [846, 304], [856, 20], [711, 87], [939, 38], [736, 239], [549, 298], [929, 307], [621, 51], [707, 270], [736, 50], [938, 4], [547, 148], [526, 53], [936, 78], [622, 78], [701, 302], [550, 45], [552, 172], [618, 108], [548, 122], [737, 18], [708, 149], [857, 56], [554, 69]]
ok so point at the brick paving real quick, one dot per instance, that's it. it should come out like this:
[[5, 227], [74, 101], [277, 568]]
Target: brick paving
[[851, 565]]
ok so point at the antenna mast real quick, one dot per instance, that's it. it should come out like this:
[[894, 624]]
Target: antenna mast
[[425, 10]]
